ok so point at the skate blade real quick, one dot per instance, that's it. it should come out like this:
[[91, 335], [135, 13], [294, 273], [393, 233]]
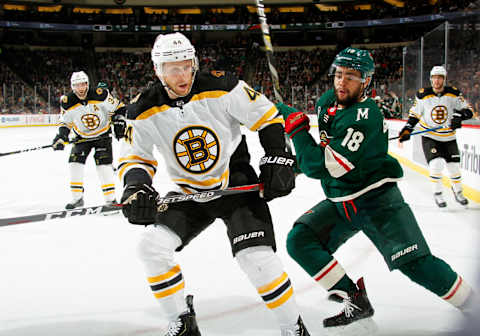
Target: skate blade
[[361, 327]]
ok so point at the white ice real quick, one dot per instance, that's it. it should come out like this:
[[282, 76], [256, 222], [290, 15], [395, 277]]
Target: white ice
[[81, 276]]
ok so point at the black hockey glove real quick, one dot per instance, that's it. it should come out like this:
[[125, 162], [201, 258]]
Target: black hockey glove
[[407, 130], [277, 174], [119, 126], [61, 138], [140, 204], [458, 116]]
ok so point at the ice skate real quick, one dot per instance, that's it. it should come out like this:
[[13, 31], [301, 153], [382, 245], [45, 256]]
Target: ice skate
[[186, 323], [297, 329], [355, 317], [113, 208], [439, 200], [75, 204], [459, 197]]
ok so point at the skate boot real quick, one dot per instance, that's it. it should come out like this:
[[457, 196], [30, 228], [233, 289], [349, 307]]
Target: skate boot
[[357, 309], [297, 329], [75, 204], [439, 200], [459, 197], [185, 324]]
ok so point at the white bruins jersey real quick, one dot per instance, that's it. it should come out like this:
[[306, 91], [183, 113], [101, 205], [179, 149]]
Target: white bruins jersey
[[89, 118], [435, 110], [196, 134]]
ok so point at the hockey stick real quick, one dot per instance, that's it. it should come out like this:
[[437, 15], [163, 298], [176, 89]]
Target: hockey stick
[[93, 210], [418, 132], [99, 209], [269, 49], [271, 60], [46, 146]]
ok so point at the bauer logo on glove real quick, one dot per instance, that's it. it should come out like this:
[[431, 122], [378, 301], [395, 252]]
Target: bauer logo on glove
[[280, 160]]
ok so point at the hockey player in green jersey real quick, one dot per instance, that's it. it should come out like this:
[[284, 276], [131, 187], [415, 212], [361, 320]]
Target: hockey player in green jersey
[[359, 179]]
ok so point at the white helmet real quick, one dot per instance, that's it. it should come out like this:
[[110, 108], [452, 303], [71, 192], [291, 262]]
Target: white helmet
[[172, 48], [78, 77], [439, 71]]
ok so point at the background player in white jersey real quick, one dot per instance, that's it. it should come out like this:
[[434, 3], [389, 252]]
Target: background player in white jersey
[[87, 112], [194, 120], [440, 105]]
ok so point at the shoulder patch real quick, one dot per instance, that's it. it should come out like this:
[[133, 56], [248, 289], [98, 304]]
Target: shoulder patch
[[217, 73], [99, 91], [214, 80], [452, 90], [135, 99], [64, 99], [423, 92]]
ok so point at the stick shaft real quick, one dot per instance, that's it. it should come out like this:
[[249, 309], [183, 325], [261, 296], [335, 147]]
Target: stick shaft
[[99, 209], [418, 132]]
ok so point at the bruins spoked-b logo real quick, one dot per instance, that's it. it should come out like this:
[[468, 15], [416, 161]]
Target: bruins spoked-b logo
[[439, 114], [197, 149], [90, 121]]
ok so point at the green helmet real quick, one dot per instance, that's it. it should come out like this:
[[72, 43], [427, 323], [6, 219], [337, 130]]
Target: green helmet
[[357, 59]]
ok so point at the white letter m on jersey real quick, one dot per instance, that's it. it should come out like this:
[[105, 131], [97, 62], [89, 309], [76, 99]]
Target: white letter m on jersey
[[362, 113]]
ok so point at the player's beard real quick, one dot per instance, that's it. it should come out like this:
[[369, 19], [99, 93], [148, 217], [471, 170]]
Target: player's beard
[[351, 98]]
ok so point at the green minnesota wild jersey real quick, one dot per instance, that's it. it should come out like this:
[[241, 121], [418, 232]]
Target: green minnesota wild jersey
[[352, 157]]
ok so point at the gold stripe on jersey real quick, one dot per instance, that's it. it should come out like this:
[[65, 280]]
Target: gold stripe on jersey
[[151, 111], [207, 183], [264, 119], [130, 165], [208, 94], [88, 102], [428, 96], [278, 120], [277, 292], [451, 95], [132, 161], [135, 158]]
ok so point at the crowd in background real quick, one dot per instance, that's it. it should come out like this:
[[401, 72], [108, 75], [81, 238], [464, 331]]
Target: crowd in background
[[241, 15], [303, 75], [33, 80]]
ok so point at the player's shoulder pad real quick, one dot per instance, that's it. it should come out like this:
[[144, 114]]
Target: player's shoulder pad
[[423, 92], [68, 100], [215, 80], [99, 94], [452, 90], [150, 97]]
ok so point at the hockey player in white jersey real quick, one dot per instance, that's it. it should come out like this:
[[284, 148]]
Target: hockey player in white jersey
[[87, 112], [440, 105], [195, 121]]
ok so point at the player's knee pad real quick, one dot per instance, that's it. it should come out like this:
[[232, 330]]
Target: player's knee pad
[[436, 166], [157, 246], [454, 170], [76, 171], [298, 240], [260, 264], [105, 173]]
